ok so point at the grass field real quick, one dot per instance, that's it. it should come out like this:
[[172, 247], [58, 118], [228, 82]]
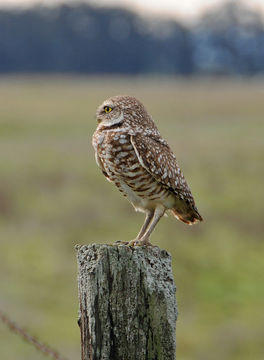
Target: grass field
[[53, 196]]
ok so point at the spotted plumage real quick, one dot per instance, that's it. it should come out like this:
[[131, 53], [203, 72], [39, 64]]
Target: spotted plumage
[[132, 154]]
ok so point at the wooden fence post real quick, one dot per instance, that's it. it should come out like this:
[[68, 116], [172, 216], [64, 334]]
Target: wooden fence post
[[127, 303]]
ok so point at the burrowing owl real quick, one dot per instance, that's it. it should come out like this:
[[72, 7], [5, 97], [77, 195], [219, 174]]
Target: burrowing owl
[[132, 154]]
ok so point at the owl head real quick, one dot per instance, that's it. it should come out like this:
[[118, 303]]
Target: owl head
[[123, 110]]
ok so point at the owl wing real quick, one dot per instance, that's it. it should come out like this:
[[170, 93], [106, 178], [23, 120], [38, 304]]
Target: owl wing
[[155, 155]]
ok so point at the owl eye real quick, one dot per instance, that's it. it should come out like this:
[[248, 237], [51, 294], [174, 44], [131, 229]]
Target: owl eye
[[107, 109]]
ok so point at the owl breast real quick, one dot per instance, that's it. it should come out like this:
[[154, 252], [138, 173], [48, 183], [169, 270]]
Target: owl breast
[[116, 156]]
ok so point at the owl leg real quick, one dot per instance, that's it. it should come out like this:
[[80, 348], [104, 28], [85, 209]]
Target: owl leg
[[147, 221], [149, 216], [144, 240]]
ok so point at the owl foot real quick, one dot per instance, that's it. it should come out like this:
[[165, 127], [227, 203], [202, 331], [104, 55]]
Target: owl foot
[[119, 242], [144, 242]]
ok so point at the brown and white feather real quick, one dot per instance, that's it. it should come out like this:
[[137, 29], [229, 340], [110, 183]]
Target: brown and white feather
[[132, 154]]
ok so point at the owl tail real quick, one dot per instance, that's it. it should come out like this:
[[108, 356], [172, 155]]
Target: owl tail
[[190, 217]]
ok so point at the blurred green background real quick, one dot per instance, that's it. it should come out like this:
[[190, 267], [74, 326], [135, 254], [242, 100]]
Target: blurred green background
[[53, 196]]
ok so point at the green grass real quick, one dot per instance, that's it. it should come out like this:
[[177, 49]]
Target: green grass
[[53, 196]]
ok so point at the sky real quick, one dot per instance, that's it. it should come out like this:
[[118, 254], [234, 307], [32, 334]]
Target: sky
[[175, 8]]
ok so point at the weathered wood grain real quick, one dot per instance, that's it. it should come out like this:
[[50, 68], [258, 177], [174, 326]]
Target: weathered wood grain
[[127, 303]]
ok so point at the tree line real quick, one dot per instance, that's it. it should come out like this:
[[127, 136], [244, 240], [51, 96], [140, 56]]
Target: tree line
[[89, 39]]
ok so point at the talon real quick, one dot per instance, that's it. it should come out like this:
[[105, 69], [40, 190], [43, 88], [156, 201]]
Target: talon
[[133, 242], [143, 242], [146, 242], [119, 242]]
